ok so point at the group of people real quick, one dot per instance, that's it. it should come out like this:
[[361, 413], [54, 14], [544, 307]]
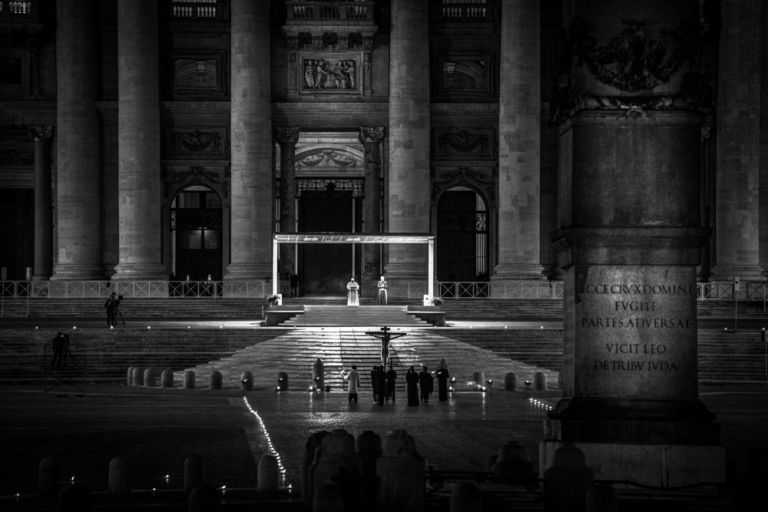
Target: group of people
[[353, 292], [419, 386]]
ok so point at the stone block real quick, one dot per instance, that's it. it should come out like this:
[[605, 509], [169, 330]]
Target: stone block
[[119, 482], [268, 474]]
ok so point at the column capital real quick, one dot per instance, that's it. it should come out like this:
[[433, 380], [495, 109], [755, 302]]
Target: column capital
[[371, 134], [287, 134], [40, 132]]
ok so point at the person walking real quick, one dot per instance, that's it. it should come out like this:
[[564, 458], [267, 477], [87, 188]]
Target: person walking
[[113, 302], [425, 384], [442, 381], [412, 386], [353, 383], [391, 380]]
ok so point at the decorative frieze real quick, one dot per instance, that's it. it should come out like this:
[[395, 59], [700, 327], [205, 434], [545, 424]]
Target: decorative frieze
[[198, 74], [463, 143], [463, 74], [194, 143]]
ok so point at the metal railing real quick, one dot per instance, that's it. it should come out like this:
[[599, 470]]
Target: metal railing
[[133, 289]]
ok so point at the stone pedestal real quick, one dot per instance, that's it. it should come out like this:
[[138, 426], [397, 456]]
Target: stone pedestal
[[43, 206], [409, 196], [251, 134], [140, 191], [629, 247], [519, 146], [370, 138], [78, 180]]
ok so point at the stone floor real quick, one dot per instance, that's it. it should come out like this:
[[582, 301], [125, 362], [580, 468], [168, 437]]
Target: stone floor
[[155, 429]]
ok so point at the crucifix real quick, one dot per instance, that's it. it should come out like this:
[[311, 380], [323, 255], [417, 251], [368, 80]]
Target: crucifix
[[385, 336]]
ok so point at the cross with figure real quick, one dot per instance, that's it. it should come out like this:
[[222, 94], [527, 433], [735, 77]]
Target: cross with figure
[[385, 336]]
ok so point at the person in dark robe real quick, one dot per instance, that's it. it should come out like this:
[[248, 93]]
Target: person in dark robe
[[391, 378], [379, 382], [374, 370], [425, 384], [442, 381], [412, 386]]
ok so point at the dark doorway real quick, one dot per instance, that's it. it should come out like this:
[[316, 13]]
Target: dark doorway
[[196, 231], [462, 237], [326, 269], [17, 230]]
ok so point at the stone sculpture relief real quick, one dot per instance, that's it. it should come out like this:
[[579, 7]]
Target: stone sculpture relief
[[328, 74]]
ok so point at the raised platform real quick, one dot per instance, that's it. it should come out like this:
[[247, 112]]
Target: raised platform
[[317, 315]]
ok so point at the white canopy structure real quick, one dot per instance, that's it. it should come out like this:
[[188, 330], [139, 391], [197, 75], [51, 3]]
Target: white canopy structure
[[356, 238]]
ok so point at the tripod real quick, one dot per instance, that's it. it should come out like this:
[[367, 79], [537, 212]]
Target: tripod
[[61, 373]]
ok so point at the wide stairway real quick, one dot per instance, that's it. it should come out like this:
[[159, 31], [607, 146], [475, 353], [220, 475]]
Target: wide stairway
[[353, 316], [295, 352]]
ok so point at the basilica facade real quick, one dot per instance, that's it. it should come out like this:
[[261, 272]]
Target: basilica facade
[[162, 140]]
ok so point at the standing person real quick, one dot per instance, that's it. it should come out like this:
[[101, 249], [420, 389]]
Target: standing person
[[391, 379], [60, 347], [353, 298], [353, 383], [294, 279], [379, 382], [381, 292], [113, 302], [412, 386], [374, 370], [425, 384], [442, 381]]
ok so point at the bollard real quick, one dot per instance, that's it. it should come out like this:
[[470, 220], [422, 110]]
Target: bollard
[[246, 381], [338, 464], [282, 381], [401, 474], [311, 448], [267, 474], [328, 498], [129, 376], [566, 483], [189, 379], [510, 382], [194, 472], [368, 445], [215, 380], [513, 465], [466, 497], [318, 377], [203, 498], [479, 379], [119, 483], [540, 381], [166, 378], [137, 377], [48, 478], [75, 498], [150, 379]]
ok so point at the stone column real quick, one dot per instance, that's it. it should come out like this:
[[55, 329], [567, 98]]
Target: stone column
[[519, 146], [138, 125], [251, 125], [629, 243], [43, 208], [78, 192], [370, 138], [287, 137], [738, 143], [409, 177]]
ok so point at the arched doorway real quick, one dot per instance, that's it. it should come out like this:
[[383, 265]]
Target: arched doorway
[[462, 236], [196, 234]]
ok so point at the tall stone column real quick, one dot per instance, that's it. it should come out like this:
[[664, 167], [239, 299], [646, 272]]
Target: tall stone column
[[629, 243], [370, 138], [251, 126], [738, 143], [43, 208], [409, 198], [519, 146], [78, 204], [138, 125], [287, 137]]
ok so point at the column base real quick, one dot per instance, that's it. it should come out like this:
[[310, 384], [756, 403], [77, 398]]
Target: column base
[[139, 272], [67, 272], [618, 420], [654, 465], [248, 271], [743, 272]]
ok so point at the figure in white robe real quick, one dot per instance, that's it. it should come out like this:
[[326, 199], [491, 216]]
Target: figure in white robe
[[353, 297], [381, 292]]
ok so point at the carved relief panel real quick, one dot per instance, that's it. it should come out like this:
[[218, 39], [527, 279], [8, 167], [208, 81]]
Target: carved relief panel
[[474, 143], [199, 74], [196, 143], [462, 75]]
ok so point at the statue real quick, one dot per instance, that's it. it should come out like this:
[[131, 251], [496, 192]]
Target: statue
[[385, 336]]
